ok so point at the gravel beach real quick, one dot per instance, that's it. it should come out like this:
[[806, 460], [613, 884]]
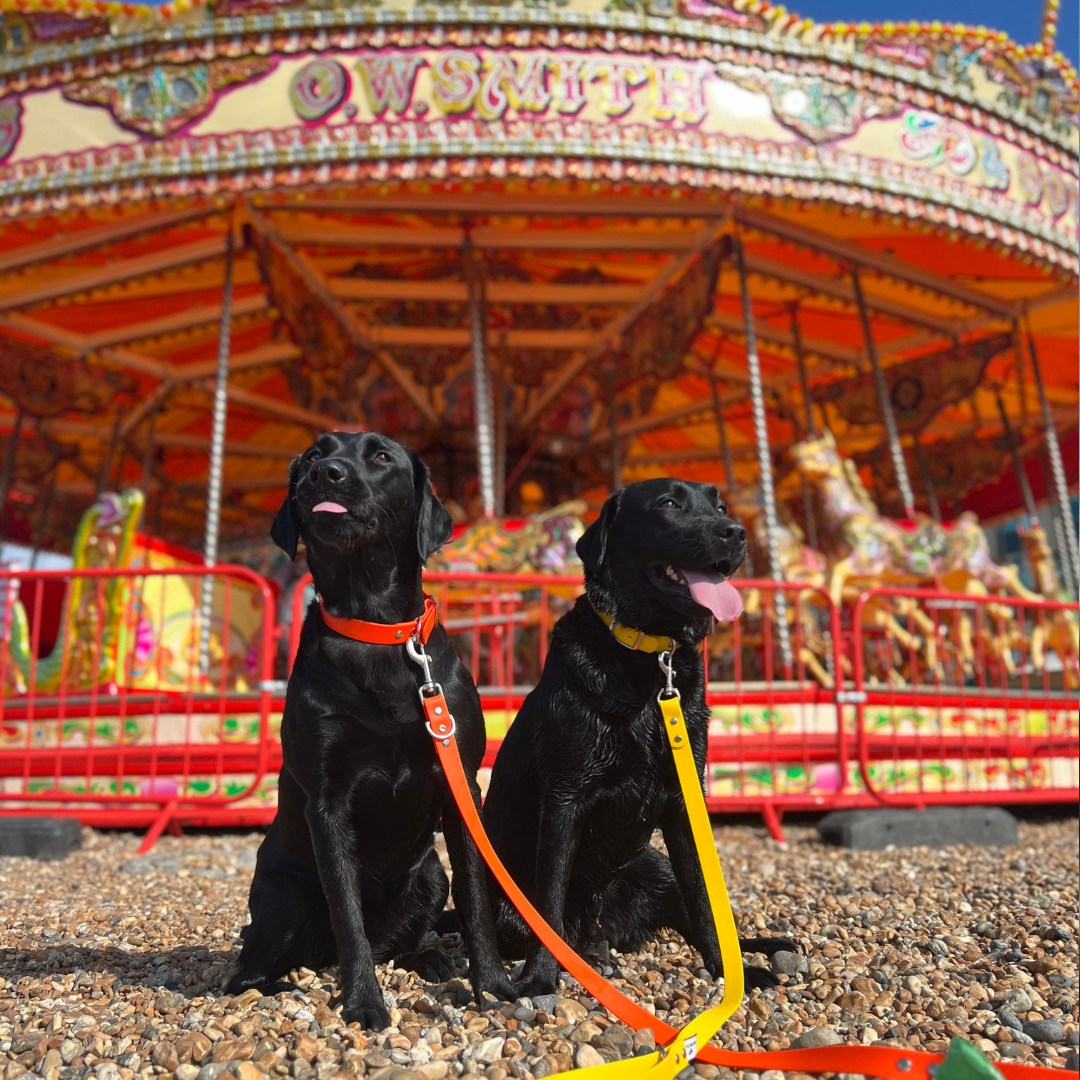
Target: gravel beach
[[112, 966]]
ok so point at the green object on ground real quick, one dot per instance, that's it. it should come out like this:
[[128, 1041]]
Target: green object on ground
[[965, 1061]]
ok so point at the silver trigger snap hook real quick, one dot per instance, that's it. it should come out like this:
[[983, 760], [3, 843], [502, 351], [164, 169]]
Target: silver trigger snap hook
[[418, 654], [667, 666]]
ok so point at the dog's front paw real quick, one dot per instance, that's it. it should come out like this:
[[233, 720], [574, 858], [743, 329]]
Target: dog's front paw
[[770, 946], [534, 986], [759, 977], [371, 1015], [434, 965], [497, 985]]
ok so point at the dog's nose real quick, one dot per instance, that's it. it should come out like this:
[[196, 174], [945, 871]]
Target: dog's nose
[[330, 470], [731, 531]]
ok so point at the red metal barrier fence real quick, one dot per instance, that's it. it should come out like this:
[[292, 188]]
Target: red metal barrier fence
[[909, 697], [126, 711]]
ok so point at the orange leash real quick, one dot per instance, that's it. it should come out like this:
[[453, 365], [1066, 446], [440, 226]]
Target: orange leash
[[886, 1062]]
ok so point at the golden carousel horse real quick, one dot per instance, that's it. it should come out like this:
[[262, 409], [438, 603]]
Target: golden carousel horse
[[868, 546], [1060, 629]]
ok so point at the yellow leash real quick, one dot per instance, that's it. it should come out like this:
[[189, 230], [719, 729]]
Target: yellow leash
[[671, 1059]]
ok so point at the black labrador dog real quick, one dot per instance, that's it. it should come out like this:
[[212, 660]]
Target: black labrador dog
[[585, 772], [349, 870]]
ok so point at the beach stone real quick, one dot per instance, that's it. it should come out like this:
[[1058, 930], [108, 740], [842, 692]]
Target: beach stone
[[789, 963], [1017, 1000], [1049, 1031], [489, 1050], [587, 1057], [571, 1010], [816, 1036], [186, 1072], [546, 1002], [1010, 1020]]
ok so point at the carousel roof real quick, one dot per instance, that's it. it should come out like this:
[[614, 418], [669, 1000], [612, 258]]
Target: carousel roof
[[600, 167]]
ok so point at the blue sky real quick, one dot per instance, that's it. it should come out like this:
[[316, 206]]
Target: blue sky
[[1020, 19]]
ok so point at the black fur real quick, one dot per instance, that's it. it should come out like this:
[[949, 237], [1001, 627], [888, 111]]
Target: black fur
[[349, 868], [585, 774]]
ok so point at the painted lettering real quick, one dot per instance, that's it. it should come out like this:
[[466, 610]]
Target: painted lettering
[[456, 80], [388, 79], [566, 77], [619, 76], [508, 82], [677, 91]]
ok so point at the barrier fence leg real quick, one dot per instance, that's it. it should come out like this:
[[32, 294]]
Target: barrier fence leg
[[772, 818], [161, 822]]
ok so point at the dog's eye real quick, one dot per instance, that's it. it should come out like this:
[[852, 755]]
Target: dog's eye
[[314, 455], [722, 508], [382, 457], [669, 504]]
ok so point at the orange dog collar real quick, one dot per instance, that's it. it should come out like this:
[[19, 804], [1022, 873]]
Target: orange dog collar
[[373, 633]]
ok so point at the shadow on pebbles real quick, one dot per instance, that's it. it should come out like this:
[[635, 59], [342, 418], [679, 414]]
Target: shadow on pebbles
[[113, 966]]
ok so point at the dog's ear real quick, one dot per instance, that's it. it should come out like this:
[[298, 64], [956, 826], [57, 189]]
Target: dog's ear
[[285, 532], [592, 546], [434, 525]]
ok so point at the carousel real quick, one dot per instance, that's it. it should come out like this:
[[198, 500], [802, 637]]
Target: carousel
[[555, 246]]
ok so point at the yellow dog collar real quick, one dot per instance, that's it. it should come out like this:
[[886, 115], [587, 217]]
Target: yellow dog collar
[[637, 640]]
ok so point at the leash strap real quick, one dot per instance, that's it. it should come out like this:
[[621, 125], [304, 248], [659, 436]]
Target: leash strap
[[373, 633], [681, 1046]]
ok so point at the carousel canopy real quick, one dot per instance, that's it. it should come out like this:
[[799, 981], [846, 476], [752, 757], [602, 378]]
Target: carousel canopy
[[574, 191]]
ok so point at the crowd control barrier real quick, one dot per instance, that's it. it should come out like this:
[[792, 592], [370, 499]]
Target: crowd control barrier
[[121, 706]]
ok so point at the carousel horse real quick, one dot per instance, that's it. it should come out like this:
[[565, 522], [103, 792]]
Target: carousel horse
[[540, 543], [1060, 628], [801, 564], [869, 545], [92, 617]]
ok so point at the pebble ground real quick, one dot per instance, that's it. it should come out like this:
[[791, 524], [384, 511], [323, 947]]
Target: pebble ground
[[113, 967]]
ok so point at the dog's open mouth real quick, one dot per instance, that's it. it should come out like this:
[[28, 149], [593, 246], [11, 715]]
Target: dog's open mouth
[[708, 588], [329, 508]]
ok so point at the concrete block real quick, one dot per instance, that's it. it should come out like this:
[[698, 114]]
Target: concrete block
[[39, 837], [936, 826]]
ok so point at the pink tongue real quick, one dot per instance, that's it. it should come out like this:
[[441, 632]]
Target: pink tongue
[[330, 508], [715, 593]]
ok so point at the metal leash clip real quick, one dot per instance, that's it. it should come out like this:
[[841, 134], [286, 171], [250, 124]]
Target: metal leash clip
[[429, 689], [667, 666]]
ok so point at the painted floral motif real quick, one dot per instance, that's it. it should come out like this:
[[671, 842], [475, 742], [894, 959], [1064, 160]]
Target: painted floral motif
[[995, 171], [1030, 179], [925, 136], [10, 128], [161, 99], [1057, 194]]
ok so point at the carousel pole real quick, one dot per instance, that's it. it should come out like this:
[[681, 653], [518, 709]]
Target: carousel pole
[[616, 463], [895, 449], [148, 452], [1057, 471], [928, 481], [482, 400], [9, 464], [811, 427], [761, 436], [46, 507], [721, 430], [217, 454], [107, 464], [1018, 464], [499, 376]]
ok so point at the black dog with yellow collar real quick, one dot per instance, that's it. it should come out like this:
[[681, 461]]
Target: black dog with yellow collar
[[584, 775]]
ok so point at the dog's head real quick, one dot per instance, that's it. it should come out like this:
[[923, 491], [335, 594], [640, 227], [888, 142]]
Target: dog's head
[[659, 556], [351, 491]]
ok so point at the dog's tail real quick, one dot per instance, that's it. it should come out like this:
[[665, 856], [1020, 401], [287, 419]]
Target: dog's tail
[[447, 923]]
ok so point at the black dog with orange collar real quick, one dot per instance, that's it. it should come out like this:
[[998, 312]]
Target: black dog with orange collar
[[349, 870]]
